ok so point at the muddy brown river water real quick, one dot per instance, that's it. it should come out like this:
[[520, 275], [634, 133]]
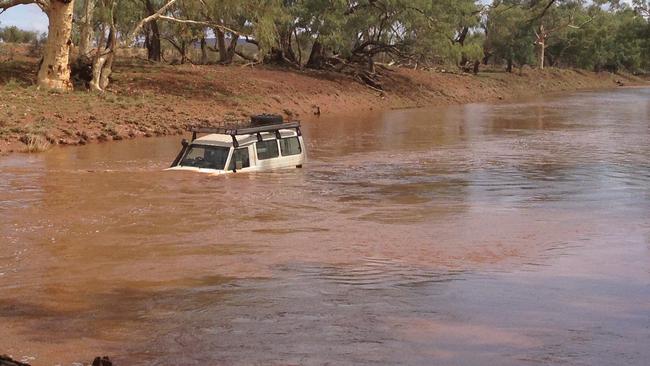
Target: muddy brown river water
[[507, 234]]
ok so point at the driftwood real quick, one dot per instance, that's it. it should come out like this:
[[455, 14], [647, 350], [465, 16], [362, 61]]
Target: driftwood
[[356, 71], [102, 361], [8, 361]]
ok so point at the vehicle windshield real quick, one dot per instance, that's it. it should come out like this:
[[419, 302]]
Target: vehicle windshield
[[206, 157]]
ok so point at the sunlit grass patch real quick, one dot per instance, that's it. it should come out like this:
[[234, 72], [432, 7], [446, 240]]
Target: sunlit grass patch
[[35, 143]]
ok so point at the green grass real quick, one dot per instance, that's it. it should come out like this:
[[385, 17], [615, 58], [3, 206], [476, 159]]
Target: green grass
[[12, 84]]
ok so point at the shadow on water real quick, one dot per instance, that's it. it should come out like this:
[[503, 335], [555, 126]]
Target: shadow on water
[[60, 316], [214, 318]]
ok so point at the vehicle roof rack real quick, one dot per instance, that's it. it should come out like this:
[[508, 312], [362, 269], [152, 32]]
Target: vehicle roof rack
[[235, 131]]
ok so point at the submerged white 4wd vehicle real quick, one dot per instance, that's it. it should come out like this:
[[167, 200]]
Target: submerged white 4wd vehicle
[[267, 143]]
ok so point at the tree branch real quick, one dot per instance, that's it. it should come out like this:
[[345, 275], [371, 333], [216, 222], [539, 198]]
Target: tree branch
[[6, 4], [154, 16], [541, 15], [643, 10], [200, 22], [581, 25], [245, 57], [251, 41], [358, 6]]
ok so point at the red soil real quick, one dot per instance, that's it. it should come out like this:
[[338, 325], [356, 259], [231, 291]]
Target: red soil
[[150, 100]]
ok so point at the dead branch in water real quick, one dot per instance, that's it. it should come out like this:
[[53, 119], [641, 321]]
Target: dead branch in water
[[8, 361]]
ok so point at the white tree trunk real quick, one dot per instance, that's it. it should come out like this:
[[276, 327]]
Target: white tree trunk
[[86, 31], [107, 71], [103, 63], [541, 41], [102, 70], [55, 69], [98, 67]]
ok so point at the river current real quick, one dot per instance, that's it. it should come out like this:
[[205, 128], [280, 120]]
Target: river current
[[483, 234]]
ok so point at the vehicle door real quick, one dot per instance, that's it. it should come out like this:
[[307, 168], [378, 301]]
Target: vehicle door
[[242, 159]]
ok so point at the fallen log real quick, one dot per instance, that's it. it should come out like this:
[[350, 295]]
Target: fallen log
[[8, 361], [102, 361]]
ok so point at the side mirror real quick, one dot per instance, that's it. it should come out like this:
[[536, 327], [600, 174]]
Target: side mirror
[[184, 142]]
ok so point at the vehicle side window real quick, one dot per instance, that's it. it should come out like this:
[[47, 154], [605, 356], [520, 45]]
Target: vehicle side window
[[240, 159], [267, 149], [290, 146]]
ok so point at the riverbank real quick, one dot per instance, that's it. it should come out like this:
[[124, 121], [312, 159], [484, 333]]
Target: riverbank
[[155, 100]]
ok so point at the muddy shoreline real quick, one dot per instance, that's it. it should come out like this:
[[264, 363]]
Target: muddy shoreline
[[159, 100]]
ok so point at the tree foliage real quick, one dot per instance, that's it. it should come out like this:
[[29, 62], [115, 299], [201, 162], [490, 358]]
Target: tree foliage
[[596, 35], [339, 34], [13, 34]]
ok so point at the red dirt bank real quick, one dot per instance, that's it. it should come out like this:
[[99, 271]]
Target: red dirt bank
[[153, 100]]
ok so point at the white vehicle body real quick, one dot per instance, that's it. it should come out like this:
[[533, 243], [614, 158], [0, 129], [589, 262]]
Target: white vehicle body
[[221, 153]]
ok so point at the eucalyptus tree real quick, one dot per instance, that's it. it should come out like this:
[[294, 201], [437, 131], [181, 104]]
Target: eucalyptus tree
[[54, 71], [412, 31], [85, 23], [227, 13], [468, 41], [552, 19], [509, 34], [609, 38], [320, 25], [249, 20], [115, 18], [102, 64], [512, 26], [182, 35], [617, 42], [642, 8]]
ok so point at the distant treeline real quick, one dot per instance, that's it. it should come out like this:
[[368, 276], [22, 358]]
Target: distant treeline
[[352, 36], [594, 35], [13, 34]]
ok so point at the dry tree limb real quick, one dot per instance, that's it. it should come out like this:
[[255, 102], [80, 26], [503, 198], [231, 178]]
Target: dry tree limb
[[131, 35]]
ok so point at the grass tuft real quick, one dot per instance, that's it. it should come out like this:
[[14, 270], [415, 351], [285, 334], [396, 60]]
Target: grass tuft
[[13, 83], [35, 143]]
